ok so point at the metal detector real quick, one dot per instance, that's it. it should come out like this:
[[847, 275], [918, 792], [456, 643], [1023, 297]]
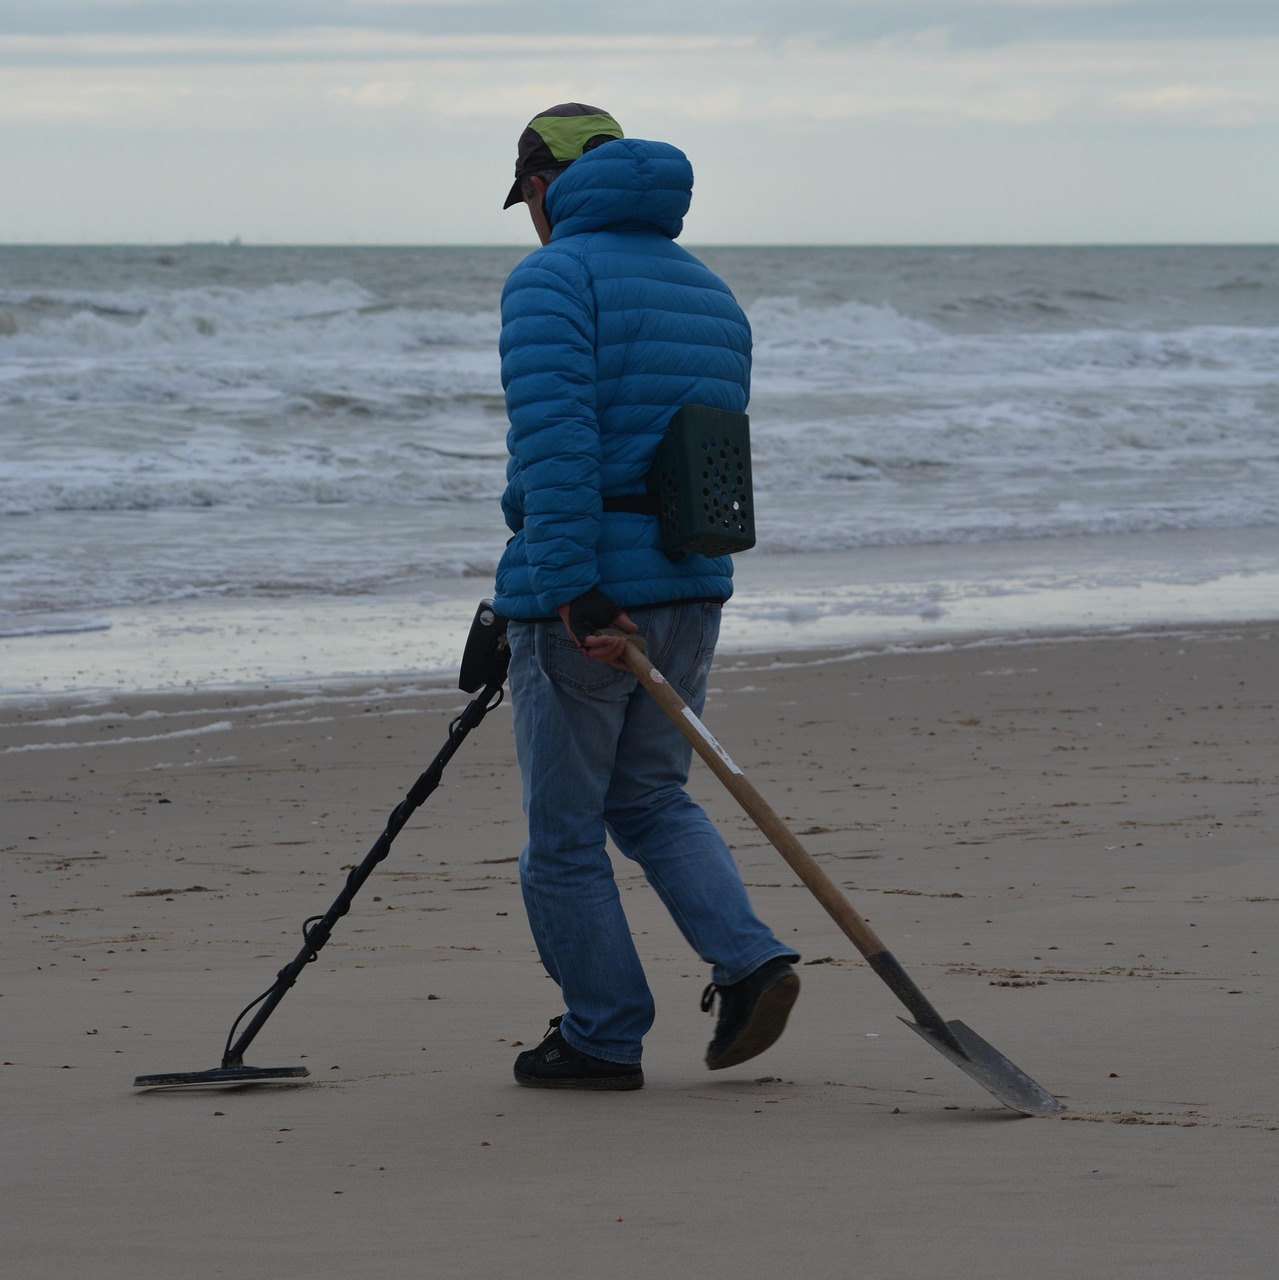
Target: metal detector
[[484, 665]]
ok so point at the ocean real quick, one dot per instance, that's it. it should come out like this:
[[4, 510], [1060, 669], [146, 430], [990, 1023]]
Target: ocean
[[228, 465]]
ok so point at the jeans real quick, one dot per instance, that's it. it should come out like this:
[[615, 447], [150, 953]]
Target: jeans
[[598, 755]]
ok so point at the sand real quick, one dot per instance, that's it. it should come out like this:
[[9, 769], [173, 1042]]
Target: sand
[[1069, 843]]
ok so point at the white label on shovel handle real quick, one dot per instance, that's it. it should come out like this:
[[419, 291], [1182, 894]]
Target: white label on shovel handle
[[705, 734]]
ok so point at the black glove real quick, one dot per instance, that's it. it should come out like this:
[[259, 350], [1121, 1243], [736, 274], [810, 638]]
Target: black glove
[[590, 612]]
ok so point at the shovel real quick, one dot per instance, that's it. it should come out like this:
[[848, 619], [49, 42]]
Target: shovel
[[954, 1040]]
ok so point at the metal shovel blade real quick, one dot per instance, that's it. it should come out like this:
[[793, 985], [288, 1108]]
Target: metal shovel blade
[[1008, 1082]]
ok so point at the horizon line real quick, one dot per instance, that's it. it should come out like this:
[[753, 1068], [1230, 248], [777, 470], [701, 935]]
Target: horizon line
[[236, 242]]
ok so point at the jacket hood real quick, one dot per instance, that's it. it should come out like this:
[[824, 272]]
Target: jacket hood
[[627, 182]]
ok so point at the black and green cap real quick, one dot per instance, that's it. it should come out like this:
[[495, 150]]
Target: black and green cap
[[557, 137]]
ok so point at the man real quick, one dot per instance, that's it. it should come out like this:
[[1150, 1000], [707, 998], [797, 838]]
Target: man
[[606, 331]]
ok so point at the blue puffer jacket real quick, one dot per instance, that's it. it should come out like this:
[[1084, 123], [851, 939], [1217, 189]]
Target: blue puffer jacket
[[606, 331]]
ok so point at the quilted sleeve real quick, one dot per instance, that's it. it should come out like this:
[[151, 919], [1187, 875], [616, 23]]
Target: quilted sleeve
[[549, 375]]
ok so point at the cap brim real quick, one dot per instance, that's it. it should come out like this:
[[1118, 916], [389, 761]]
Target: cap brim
[[514, 197]]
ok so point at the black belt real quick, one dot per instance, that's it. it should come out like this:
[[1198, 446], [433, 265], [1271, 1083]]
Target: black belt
[[639, 504]]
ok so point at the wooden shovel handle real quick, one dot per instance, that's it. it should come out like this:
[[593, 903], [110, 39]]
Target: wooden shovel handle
[[823, 888]]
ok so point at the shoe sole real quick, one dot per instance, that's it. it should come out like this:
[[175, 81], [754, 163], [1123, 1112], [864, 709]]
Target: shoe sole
[[765, 1025], [596, 1084]]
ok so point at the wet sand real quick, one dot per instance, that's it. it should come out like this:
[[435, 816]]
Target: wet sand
[[1069, 843]]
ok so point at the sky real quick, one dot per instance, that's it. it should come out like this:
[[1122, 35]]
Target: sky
[[807, 121]]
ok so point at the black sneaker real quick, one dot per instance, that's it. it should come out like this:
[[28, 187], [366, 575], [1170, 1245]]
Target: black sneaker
[[752, 1012], [555, 1064]]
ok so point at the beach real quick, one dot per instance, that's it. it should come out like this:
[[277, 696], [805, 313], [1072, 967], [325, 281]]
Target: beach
[[1066, 837], [1003, 660]]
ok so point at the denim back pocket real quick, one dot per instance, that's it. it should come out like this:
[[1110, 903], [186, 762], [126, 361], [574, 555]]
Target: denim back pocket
[[692, 680], [567, 665]]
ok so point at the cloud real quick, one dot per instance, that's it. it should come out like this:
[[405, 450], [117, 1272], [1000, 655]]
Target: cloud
[[1210, 104], [281, 116], [45, 99], [378, 94], [969, 22], [924, 80], [296, 78], [340, 43]]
